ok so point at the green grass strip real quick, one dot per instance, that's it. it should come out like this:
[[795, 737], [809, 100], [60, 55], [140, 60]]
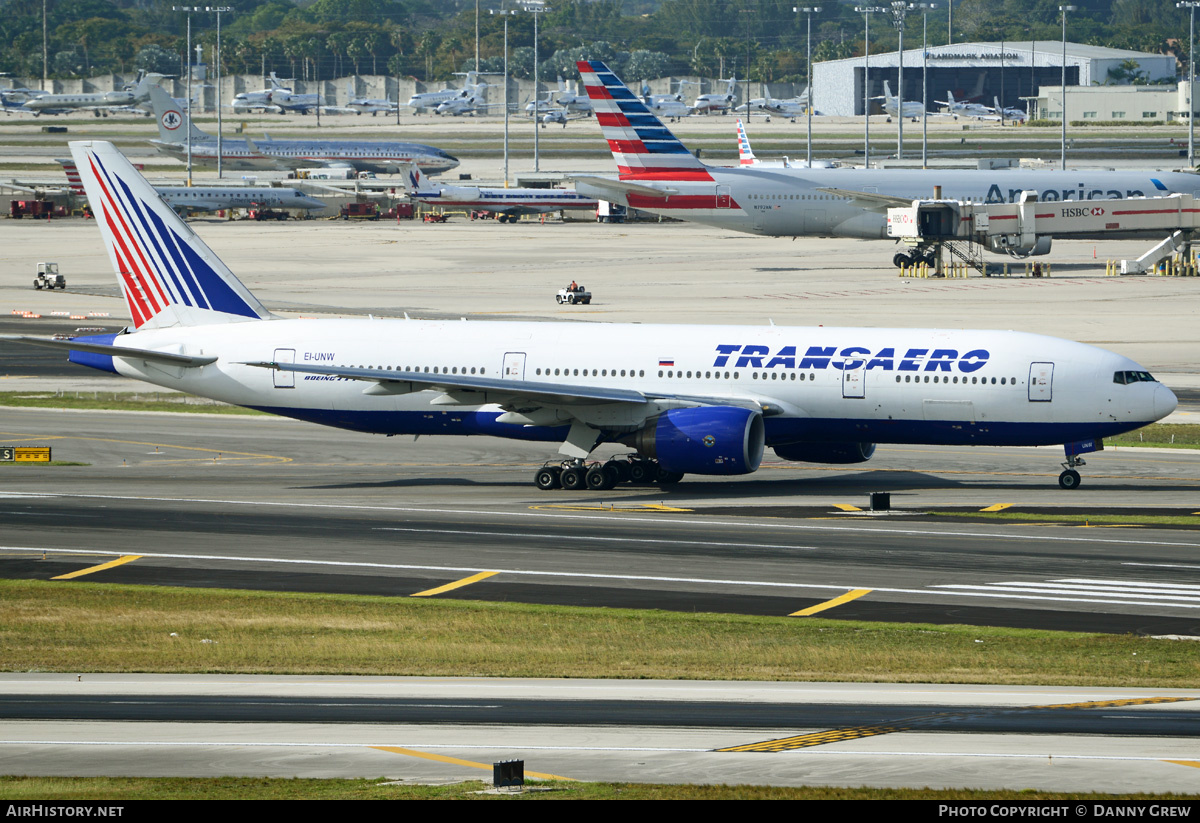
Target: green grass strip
[[78, 626], [269, 788], [1160, 435]]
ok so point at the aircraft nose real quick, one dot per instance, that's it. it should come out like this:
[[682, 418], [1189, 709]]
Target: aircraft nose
[[1165, 401]]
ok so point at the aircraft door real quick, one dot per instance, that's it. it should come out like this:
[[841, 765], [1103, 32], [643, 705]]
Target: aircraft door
[[724, 197], [514, 365], [854, 382], [284, 379], [1041, 382]]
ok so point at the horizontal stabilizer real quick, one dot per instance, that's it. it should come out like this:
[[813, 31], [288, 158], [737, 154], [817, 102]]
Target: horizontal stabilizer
[[187, 361], [601, 186]]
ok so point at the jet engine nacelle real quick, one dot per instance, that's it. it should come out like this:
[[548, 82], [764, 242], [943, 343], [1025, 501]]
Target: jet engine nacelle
[[826, 452], [1012, 244], [710, 440]]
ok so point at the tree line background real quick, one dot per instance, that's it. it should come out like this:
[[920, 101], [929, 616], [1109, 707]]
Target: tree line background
[[429, 40]]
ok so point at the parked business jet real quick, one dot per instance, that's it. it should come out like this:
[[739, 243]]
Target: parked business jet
[[363, 105], [433, 99], [687, 399], [659, 175], [715, 101], [892, 104], [571, 101], [1009, 113], [101, 103], [214, 198], [974, 110], [508, 204], [381, 157]]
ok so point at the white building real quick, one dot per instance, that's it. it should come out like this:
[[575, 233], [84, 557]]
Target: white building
[[976, 72]]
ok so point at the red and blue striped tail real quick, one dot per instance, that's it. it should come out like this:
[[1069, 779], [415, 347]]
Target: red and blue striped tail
[[168, 275], [745, 153], [642, 146]]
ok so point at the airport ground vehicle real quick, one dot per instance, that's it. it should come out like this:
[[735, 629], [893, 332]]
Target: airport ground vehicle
[[35, 208], [360, 211], [48, 277], [267, 214], [607, 212], [434, 217], [400, 211], [574, 296]]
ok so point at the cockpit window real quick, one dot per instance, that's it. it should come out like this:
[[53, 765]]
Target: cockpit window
[[1126, 377]]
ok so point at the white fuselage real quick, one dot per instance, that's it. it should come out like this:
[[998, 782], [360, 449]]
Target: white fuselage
[[788, 202], [509, 201], [822, 384], [211, 198]]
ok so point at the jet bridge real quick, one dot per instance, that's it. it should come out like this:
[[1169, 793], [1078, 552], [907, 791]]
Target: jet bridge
[[1027, 227]]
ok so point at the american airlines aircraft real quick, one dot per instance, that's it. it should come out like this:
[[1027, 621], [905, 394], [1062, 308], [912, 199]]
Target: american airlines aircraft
[[382, 157], [212, 198], [658, 174], [688, 399], [508, 204]]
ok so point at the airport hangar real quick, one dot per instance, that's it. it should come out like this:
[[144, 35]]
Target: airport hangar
[[977, 72]]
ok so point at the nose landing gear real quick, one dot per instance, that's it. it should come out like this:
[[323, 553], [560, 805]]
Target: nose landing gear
[[1070, 479]]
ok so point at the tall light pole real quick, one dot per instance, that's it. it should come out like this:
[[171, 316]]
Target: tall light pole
[[809, 11], [1191, 6], [866, 12], [899, 10], [535, 7], [925, 9], [506, 14], [218, 10], [1064, 10]]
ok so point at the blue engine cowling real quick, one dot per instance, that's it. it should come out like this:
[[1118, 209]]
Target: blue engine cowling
[[826, 452], [712, 440]]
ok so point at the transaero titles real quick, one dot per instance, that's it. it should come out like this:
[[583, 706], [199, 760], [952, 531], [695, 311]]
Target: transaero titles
[[850, 358]]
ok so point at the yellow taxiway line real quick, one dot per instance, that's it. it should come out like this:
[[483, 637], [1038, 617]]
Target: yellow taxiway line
[[854, 594], [441, 758], [91, 569], [457, 584]]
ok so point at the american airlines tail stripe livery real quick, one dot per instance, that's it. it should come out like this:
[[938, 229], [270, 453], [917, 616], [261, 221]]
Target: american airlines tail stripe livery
[[711, 407], [641, 144], [795, 201]]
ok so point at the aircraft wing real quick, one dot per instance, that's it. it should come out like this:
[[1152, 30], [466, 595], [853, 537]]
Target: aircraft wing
[[115, 351], [601, 186], [870, 200], [474, 390]]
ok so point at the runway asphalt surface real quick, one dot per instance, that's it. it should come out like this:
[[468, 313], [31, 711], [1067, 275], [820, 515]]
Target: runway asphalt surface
[[278, 505]]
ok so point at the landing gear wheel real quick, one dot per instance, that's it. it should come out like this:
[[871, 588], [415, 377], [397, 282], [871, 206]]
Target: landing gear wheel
[[548, 478], [666, 478], [1068, 479], [619, 469], [573, 479], [641, 471], [599, 479], [901, 259]]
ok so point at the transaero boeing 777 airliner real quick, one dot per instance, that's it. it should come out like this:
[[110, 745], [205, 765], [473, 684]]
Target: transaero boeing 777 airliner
[[687, 399]]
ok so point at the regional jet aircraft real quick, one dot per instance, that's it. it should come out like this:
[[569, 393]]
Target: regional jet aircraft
[[507, 204], [382, 157], [659, 175], [687, 398]]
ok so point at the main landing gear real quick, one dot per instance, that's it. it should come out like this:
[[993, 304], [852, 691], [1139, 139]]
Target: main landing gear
[[927, 255], [578, 475], [1069, 479]]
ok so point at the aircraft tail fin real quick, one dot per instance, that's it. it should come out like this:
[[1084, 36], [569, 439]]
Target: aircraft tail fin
[[950, 98], [168, 275], [640, 143], [73, 179], [172, 120], [415, 181], [887, 89], [745, 153]]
